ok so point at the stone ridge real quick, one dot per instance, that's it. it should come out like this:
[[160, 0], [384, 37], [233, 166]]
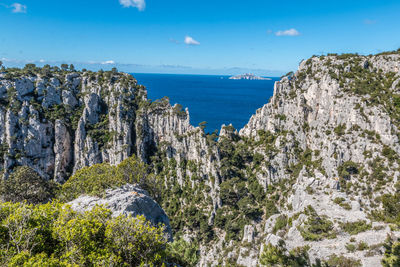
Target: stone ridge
[[62, 121]]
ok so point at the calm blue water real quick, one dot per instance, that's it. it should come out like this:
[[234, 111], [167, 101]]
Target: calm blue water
[[214, 99]]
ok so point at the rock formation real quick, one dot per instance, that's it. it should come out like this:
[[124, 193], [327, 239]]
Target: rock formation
[[315, 167], [59, 122], [128, 200]]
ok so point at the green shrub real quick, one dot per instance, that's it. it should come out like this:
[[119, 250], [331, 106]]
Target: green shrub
[[356, 227], [54, 235], [279, 256], [391, 208], [350, 247], [341, 202], [391, 257], [340, 130], [280, 223], [183, 253], [96, 179], [25, 184], [342, 261], [347, 169], [92, 180], [270, 209], [316, 227], [362, 246]]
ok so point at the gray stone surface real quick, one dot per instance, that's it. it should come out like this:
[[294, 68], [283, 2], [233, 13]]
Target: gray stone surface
[[129, 199]]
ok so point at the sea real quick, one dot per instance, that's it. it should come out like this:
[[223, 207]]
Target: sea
[[211, 98]]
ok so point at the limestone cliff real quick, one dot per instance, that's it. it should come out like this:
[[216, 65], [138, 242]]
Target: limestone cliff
[[317, 166], [58, 122]]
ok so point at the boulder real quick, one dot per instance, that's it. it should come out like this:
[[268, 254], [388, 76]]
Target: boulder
[[129, 199]]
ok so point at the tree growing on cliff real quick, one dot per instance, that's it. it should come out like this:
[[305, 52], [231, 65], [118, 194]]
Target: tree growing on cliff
[[25, 184], [64, 67], [391, 257]]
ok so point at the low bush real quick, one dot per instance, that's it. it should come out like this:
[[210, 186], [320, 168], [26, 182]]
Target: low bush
[[342, 261], [53, 234], [316, 227], [391, 257], [356, 227], [280, 256], [350, 247], [341, 202], [280, 223], [25, 184], [96, 179], [183, 253]]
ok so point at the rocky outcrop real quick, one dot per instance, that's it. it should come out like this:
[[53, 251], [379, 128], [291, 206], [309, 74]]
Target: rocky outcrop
[[166, 129], [128, 200], [59, 122], [329, 141], [326, 146], [330, 123]]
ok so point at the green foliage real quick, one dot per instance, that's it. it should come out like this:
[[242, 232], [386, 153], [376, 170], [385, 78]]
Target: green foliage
[[96, 179], [350, 247], [64, 67], [279, 256], [389, 153], [183, 253], [340, 130], [25, 184], [391, 207], [356, 227], [280, 223], [391, 257], [55, 235], [100, 131], [93, 180], [203, 125], [271, 209], [179, 111], [362, 246], [316, 227], [342, 261], [341, 202], [347, 169], [133, 170]]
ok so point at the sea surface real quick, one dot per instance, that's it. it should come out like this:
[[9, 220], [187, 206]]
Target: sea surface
[[211, 98]]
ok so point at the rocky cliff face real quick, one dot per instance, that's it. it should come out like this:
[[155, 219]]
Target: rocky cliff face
[[61, 121], [335, 129], [316, 167]]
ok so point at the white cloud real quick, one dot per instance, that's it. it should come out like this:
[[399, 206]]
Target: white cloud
[[290, 32], [190, 41], [108, 62], [19, 8], [42, 61], [139, 4]]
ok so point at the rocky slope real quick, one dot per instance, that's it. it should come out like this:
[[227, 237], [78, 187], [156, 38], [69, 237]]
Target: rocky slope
[[317, 166], [335, 128]]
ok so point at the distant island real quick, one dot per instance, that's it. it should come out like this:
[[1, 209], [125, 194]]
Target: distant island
[[248, 76]]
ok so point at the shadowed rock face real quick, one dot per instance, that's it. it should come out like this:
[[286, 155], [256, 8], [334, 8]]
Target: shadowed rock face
[[62, 121], [129, 200]]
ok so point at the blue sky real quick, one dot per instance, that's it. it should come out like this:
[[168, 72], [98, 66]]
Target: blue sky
[[193, 36]]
